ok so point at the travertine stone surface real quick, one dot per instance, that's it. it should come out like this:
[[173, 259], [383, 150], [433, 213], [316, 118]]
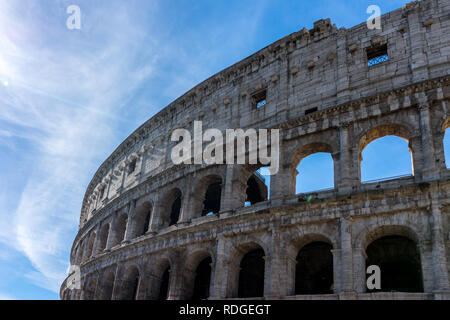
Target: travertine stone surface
[[324, 68]]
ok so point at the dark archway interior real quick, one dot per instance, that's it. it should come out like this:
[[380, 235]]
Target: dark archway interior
[[314, 269], [251, 276], [254, 192], [202, 280], [131, 285], [399, 260], [212, 199], [108, 286], [146, 222], [103, 238], [175, 211], [164, 288], [121, 227]]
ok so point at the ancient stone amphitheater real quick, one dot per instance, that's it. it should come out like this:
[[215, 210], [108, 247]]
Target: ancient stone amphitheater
[[150, 229]]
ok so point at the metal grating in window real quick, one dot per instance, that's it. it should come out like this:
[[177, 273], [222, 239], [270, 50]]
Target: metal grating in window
[[377, 60]]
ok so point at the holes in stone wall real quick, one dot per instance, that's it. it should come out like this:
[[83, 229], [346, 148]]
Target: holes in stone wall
[[259, 99], [377, 54]]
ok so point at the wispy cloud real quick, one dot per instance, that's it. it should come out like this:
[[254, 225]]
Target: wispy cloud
[[65, 96], [72, 96]]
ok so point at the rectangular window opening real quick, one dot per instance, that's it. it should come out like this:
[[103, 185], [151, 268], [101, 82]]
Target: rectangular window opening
[[259, 99], [311, 110], [376, 55]]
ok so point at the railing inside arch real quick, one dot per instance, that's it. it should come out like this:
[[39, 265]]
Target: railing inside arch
[[387, 178]]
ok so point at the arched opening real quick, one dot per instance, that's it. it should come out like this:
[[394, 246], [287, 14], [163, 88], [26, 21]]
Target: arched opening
[[315, 173], [141, 221], [312, 168], [80, 249], [251, 275], [314, 269], [107, 287], [258, 185], [385, 153], [90, 246], [164, 285], [89, 291], [211, 204], [171, 207], [103, 240], [175, 210], [120, 227], [202, 279], [398, 258], [130, 285]]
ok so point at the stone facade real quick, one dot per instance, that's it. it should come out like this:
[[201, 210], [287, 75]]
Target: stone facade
[[323, 96]]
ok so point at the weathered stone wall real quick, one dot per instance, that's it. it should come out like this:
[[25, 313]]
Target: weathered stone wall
[[324, 68]]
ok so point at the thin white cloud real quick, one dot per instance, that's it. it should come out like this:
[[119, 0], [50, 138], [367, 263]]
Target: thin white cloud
[[65, 95]]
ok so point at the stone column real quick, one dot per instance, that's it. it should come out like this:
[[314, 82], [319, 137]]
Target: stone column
[[156, 216], [359, 267], [185, 210], [346, 255], [337, 272], [439, 258], [218, 276], [96, 241], [272, 267], [226, 202], [129, 228], [345, 179], [419, 60], [429, 162], [111, 233]]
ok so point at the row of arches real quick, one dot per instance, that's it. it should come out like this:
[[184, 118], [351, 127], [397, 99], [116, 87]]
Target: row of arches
[[397, 255], [312, 166]]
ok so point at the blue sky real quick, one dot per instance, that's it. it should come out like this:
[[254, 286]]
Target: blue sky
[[69, 97]]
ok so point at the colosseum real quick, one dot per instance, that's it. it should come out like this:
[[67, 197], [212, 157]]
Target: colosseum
[[152, 229]]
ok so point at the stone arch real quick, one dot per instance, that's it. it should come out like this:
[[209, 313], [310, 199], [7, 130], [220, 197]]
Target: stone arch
[[120, 227], [242, 274], [207, 195], [90, 289], [304, 151], [171, 206], [308, 260], [90, 249], [131, 283], [141, 219], [158, 287], [80, 251], [195, 284], [386, 233], [107, 285], [380, 131], [251, 186], [103, 237], [371, 233]]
